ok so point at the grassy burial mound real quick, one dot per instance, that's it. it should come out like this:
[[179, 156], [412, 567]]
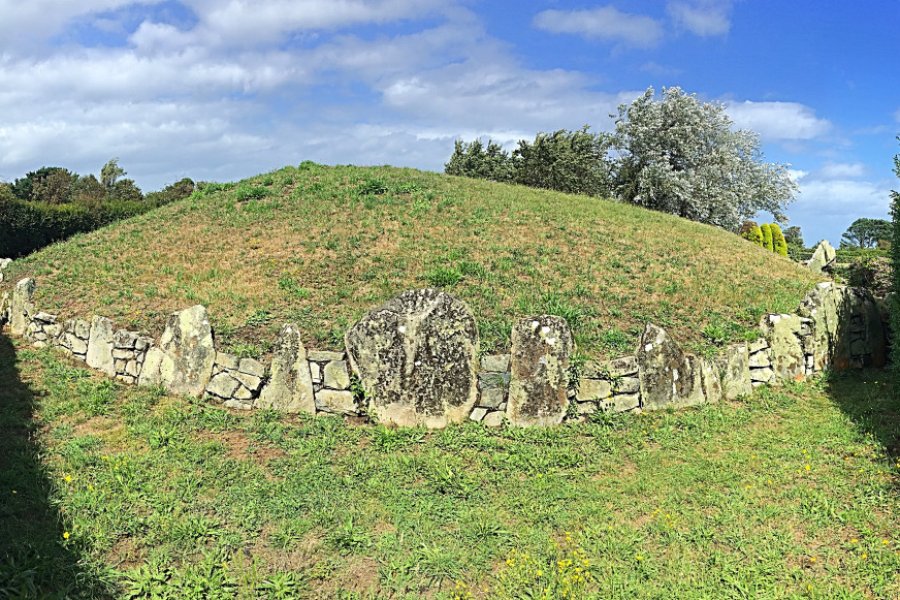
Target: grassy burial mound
[[320, 246]]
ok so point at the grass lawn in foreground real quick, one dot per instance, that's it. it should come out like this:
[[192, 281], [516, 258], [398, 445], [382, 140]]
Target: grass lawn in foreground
[[111, 491], [320, 246]]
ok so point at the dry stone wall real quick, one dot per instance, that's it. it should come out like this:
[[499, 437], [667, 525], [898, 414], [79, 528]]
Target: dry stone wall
[[415, 361]]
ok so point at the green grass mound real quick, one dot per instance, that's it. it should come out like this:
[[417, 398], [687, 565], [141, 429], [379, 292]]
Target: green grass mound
[[320, 246]]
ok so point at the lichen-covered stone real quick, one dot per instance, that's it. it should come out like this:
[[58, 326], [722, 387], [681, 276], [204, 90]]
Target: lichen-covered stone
[[625, 366], [495, 363], [335, 375], [183, 361], [100, 346], [324, 356], [539, 371], [251, 366], [734, 370], [290, 385], [669, 377], [494, 419], [822, 259], [338, 402], [21, 307], [478, 413], [593, 389], [621, 403], [783, 335], [223, 386], [417, 358]]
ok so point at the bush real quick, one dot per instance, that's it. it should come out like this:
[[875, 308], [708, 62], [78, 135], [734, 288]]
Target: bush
[[27, 226], [871, 272], [767, 237], [172, 192], [752, 233], [778, 242]]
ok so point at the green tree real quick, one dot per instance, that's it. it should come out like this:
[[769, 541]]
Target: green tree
[[682, 156], [110, 173], [793, 236], [778, 241], [54, 188], [23, 187], [768, 242], [866, 233], [576, 162], [482, 162]]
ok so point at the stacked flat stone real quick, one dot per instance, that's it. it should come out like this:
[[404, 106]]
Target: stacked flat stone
[[236, 382], [331, 383], [43, 330], [129, 352], [493, 390], [75, 338], [760, 363], [611, 386]]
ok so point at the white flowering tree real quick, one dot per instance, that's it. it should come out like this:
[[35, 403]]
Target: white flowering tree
[[683, 156]]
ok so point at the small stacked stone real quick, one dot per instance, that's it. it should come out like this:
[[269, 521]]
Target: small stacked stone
[[129, 352], [331, 382], [493, 390], [611, 386], [761, 372], [43, 330], [808, 344], [74, 340], [236, 381]]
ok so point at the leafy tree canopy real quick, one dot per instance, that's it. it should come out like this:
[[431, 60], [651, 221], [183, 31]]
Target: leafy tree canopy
[[866, 233]]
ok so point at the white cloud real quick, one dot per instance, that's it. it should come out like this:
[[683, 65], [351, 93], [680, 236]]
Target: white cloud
[[702, 17], [834, 170], [825, 208], [778, 120], [604, 23], [796, 174]]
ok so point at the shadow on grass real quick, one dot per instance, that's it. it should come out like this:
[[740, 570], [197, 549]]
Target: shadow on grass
[[35, 562], [871, 398]]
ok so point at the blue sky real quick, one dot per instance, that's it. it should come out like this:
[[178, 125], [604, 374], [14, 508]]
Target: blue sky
[[219, 90]]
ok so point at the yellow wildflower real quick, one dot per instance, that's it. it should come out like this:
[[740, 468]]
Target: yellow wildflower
[[66, 535]]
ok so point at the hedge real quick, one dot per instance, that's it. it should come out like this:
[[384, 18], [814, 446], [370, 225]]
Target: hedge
[[27, 226]]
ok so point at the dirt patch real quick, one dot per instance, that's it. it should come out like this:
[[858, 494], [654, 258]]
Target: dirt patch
[[239, 446], [125, 554]]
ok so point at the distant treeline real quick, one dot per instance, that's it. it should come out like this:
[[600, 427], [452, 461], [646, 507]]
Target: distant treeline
[[53, 203]]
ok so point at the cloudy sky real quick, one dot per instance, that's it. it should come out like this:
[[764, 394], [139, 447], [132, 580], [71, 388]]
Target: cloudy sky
[[223, 89]]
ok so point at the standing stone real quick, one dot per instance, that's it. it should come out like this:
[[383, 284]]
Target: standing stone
[[783, 334], [669, 377], [861, 340], [100, 346], [734, 370], [4, 262], [4, 308], [417, 359], [21, 307], [183, 361], [822, 259], [539, 379], [290, 386]]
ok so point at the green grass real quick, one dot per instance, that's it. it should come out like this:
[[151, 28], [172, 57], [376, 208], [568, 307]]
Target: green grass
[[320, 246], [793, 493]]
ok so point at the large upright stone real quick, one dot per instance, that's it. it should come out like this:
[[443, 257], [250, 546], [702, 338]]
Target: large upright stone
[[539, 371], [183, 361], [669, 377], [734, 369], [417, 359], [822, 259], [4, 262], [847, 327], [783, 334], [21, 307], [861, 339], [290, 387], [100, 346]]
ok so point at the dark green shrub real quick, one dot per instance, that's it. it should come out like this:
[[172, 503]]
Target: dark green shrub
[[27, 226]]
